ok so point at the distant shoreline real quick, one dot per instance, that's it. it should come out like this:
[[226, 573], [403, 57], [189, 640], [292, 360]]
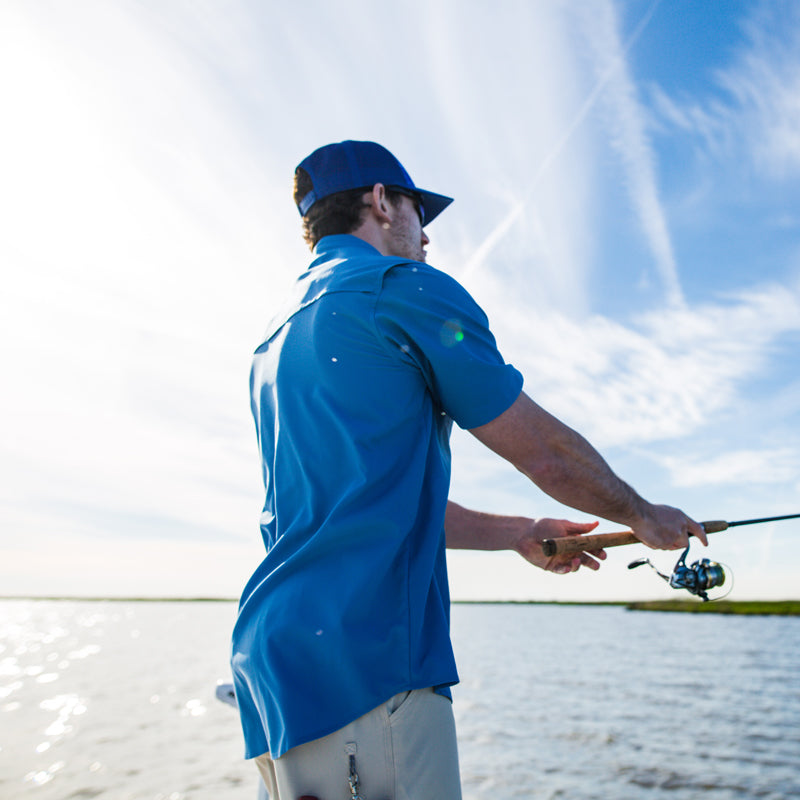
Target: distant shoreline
[[782, 608], [126, 599], [785, 608]]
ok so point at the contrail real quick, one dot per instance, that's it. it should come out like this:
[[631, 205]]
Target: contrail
[[501, 229]]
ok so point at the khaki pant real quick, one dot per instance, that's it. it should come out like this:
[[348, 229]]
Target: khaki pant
[[403, 750]]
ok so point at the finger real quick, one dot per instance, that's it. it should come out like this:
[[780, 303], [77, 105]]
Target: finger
[[696, 529], [601, 554], [591, 563], [679, 543], [563, 568], [682, 540], [678, 538]]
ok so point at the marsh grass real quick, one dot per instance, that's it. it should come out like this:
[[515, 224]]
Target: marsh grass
[[786, 608]]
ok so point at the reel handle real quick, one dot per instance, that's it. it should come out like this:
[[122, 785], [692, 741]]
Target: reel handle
[[599, 541]]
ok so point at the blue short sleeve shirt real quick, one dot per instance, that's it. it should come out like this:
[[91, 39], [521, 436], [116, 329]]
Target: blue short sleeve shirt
[[354, 391]]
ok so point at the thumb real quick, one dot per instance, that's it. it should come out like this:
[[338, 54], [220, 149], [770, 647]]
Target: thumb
[[576, 528]]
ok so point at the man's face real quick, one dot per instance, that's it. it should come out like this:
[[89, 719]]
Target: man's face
[[408, 239]]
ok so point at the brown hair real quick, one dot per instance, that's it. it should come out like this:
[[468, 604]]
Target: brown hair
[[337, 213]]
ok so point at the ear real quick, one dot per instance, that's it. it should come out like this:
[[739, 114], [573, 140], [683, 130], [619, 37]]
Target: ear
[[380, 205]]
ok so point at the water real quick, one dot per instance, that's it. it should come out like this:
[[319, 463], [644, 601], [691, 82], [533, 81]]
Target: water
[[593, 702], [116, 701]]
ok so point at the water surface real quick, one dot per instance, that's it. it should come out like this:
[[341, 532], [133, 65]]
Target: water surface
[[597, 702], [115, 700]]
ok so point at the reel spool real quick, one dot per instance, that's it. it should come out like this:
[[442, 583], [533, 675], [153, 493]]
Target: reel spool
[[697, 579]]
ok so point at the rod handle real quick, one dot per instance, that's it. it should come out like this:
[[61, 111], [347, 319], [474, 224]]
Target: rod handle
[[714, 526], [591, 541], [599, 541]]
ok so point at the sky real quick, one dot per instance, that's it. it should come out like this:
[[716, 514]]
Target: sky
[[627, 184]]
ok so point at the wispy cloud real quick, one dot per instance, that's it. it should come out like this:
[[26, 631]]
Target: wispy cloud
[[146, 157], [767, 466], [753, 111], [764, 83], [613, 90], [662, 379], [627, 128]]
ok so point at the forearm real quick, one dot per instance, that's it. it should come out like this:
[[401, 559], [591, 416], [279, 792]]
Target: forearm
[[476, 530], [565, 466], [575, 474], [561, 463]]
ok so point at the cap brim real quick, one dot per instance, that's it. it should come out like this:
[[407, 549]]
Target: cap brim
[[433, 204]]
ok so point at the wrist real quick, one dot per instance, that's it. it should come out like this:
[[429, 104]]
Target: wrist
[[640, 511], [518, 533]]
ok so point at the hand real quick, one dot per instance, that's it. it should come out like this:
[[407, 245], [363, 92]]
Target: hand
[[529, 545], [667, 528]]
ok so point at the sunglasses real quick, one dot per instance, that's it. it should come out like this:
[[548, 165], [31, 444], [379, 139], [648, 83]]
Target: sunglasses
[[415, 196]]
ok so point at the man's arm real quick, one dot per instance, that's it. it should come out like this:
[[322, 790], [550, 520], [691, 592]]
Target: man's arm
[[566, 467], [475, 530]]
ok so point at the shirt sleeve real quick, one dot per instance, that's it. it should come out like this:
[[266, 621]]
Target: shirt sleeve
[[434, 325]]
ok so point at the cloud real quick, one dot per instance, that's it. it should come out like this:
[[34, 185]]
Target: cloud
[[764, 83], [711, 119], [146, 157], [753, 111], [613, 91], [663, 377], [517, 191], [767, 466], [626, 125], [133, 249]]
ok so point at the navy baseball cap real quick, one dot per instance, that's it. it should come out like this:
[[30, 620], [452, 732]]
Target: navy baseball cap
[[360, 165]]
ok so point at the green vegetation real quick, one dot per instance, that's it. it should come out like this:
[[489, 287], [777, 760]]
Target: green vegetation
[[786, 608]]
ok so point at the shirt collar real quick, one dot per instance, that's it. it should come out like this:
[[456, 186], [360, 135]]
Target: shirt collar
[[342, 245]]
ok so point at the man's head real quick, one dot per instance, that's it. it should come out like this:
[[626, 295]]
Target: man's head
[[334, 187]]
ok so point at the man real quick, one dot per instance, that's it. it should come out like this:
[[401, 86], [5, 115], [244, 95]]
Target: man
[[341, 652]]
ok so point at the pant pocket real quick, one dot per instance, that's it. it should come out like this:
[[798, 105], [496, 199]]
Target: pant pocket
[[394, 704]]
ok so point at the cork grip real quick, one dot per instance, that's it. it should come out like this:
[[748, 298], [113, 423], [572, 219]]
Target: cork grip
[[592, 541], [599, 541]]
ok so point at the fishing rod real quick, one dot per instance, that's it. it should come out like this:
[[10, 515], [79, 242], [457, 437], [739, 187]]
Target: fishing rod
[[697, 579], [599, 541]]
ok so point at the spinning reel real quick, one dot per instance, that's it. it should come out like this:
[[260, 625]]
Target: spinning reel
[[697, 579]]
